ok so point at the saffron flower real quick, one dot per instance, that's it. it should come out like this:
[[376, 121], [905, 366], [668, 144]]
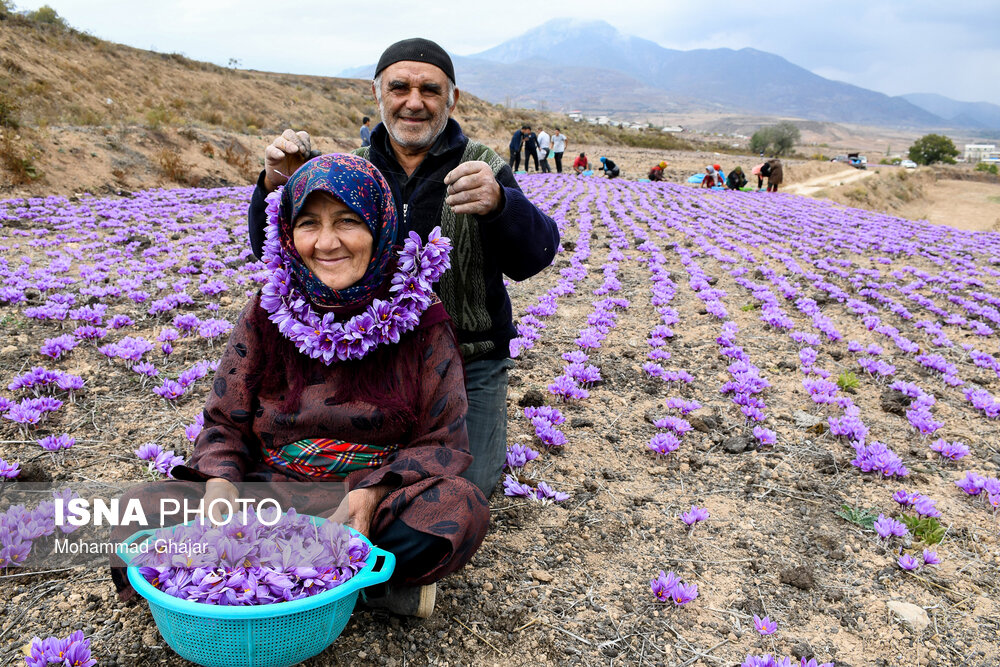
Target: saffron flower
[[764, 436], [908, 562], [694, 515], [663, 586], [544, 492], [904, 498], [664, 443], [169, 390], [888, 527], [764, 626], [518, 456], [684, 593], [931, 557], [192, 430], [513, 488], [949, 450], [148, 451], [74, 650], [9, 470], [53, 443]]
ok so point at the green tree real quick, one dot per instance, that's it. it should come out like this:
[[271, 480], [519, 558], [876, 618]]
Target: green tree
[[46, 14], [775, 139], [932, 148]]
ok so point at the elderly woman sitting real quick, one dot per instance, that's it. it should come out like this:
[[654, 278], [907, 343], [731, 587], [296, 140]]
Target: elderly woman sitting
[[345, 367]]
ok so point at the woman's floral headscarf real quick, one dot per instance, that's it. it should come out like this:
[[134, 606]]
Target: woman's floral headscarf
[[360, 186], [310, 314]]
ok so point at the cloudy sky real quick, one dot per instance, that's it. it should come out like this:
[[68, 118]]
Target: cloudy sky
[[891, 46]]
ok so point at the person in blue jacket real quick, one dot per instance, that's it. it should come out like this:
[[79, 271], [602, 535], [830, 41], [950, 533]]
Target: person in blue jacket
[[366, 131], [516, 142], [611, 170], [440, 177]]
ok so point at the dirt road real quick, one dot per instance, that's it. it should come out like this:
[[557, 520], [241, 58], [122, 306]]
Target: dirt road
[[814, 185]]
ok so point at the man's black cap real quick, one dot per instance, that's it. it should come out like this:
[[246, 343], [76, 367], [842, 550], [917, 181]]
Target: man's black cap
[[419, 50]]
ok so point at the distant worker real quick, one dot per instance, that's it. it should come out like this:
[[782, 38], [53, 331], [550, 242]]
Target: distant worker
[[656, 173], [611, 170], [761, 170], [736, 179], [366, 132], [516, 142], [709, 180], [775, 175], [720, 177], [558, 148], [530, 150], [580, 164], [544, 143]]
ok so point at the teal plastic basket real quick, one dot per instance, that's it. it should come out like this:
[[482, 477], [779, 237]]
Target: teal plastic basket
[[271, 635]]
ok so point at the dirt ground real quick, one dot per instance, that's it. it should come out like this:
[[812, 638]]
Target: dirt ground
[[569, 583]]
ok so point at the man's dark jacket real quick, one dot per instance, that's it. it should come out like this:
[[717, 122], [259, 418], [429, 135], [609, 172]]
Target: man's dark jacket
[[517, 241]]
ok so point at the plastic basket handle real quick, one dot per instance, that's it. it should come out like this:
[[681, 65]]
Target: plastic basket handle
[[123, 553], [385, 564]]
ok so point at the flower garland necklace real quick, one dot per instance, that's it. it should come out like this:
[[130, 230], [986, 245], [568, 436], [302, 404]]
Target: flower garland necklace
[[321, 337]]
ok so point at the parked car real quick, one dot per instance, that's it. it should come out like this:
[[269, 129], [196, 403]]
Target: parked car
[[908, 164]]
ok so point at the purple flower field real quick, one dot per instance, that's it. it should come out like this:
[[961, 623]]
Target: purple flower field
[[724, 406]]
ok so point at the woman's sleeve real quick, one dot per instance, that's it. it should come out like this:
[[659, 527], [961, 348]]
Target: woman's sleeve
[[439, 445], [226, 446]]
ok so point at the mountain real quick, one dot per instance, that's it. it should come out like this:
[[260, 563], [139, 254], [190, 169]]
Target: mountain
[[980, 115], [746, 80]]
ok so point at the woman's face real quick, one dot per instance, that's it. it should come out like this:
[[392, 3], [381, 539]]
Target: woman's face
[[332, 240]]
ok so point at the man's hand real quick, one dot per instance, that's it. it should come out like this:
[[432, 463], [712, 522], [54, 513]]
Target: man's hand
[[283, 156], [472, 189]]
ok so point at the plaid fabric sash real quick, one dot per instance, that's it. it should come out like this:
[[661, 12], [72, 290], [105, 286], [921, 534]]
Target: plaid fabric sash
[[326, 458]]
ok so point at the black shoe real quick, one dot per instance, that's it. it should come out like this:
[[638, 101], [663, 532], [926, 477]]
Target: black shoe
[[416, 601]]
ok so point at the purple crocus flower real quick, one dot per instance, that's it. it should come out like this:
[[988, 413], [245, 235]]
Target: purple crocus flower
[[513, 488], [518, 456], [9, 470], [903, 498], [908, 562], [684, 593], [931, 557], [764, 436], [54, 443], [169, 390], [192, 430], [888, 527], [544, 492], [694, 515], [971, 483], [949, 450], [765, 626], [663, 586], [148, 451], [664, 443], [925, 506]]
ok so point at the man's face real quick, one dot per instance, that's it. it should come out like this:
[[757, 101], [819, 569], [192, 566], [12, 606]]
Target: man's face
[[413, 103]]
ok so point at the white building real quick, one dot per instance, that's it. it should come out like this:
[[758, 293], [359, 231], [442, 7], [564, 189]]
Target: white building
[[981, 152]]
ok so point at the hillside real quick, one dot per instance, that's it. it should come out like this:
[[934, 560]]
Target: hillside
[[81, 114]]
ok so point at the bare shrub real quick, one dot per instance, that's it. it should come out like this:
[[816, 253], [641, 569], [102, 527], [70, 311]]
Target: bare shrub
[[237, 155], [172, 166], [18, 161]]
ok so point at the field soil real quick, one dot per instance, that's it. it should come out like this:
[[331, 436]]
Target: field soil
[[568, 583]]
